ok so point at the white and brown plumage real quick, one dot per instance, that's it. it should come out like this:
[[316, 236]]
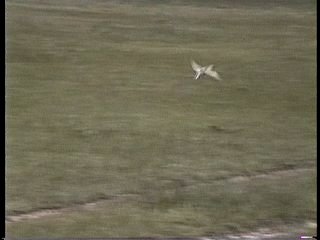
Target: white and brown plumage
[[208, 70]]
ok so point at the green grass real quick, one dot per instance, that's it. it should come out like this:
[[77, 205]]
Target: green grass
[[101, 102]]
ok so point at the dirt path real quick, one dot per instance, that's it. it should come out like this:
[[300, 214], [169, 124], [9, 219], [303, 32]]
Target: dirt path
[[273, 174], [91, 205], [57, 211]]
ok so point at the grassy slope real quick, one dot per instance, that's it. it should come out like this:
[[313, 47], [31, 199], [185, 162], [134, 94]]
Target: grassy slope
[[101, 102]]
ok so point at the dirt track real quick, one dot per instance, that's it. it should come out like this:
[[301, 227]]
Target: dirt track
[[91, 205]]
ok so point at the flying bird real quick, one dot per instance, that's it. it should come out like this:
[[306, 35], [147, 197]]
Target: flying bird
[[208, 70]]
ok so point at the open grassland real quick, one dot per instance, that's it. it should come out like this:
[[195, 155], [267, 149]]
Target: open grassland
[[101, 103]]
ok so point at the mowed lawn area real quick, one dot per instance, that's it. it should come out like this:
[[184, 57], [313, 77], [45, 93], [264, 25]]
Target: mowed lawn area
[[101, 104]]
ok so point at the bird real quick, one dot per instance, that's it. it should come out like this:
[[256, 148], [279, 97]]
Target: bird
[[208, 70]]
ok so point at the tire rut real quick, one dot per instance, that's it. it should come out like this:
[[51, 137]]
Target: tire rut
[[36, 214]]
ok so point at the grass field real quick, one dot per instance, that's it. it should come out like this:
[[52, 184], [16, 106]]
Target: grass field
[[101, 102]]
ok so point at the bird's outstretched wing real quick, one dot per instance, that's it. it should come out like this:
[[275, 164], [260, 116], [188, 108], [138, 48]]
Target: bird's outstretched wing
[[213, 74], [195, 66]]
